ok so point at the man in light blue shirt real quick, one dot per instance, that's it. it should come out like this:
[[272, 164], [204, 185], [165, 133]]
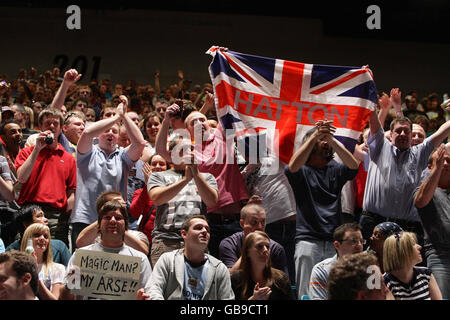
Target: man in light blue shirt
[[394, 172], [104, 166]]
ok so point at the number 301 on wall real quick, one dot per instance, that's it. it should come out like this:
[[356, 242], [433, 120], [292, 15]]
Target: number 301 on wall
[[80, 63]]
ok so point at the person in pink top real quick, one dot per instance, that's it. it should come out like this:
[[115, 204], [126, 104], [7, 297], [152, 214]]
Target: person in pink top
[[215, 156]]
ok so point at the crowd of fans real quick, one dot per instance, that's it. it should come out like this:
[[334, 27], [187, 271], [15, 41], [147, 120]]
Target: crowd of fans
[[93, 166]]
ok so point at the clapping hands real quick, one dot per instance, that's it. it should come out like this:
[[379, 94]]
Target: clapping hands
[[325, 129], [261, 293]]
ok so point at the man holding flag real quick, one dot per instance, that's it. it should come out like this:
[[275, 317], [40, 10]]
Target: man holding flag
[[268, 104]]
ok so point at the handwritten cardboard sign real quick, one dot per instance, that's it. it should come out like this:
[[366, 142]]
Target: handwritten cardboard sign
[[107, 275]]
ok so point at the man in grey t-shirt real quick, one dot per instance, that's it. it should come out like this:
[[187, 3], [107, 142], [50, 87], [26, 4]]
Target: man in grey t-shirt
[[178, 193], [432, 200]]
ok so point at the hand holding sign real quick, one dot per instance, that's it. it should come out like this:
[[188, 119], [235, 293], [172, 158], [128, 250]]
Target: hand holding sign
[[107, 275]]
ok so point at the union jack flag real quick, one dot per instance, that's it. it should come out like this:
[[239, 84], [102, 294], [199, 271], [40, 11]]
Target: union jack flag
[[274, 101]]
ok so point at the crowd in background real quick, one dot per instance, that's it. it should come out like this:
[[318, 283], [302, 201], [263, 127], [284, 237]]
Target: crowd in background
[[283, 216]]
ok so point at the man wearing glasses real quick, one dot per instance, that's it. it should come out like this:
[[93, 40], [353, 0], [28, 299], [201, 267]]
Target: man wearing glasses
[[348, 240]]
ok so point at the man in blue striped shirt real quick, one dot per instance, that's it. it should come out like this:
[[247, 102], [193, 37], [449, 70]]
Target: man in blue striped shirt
[[394, 172]]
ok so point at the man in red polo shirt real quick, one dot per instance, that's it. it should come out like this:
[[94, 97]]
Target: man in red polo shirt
[[48, 175]]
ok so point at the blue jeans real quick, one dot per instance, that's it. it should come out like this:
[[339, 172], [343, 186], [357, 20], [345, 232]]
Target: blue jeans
[[307, 254], [440, 266], [284, 234]]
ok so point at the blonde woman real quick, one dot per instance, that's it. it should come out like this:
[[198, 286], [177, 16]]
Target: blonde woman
[[51, 274], [406, 281], [256, 279]]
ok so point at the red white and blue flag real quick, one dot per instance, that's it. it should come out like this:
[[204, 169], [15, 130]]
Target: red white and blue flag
[[275, 102]]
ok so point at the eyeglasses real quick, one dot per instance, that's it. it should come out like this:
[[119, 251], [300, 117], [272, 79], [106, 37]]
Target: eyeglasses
[[355, 241], [71, 114]]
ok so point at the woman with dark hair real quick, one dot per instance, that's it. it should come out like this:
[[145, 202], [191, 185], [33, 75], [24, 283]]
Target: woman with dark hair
[[150, 129], [379, 235], [151, 126], [31, 214], [256, 279]]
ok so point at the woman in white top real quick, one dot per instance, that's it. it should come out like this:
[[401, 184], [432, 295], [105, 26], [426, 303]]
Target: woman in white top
[[51, 274]]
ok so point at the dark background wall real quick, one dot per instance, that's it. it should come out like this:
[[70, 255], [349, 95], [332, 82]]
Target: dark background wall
[[122, 42]]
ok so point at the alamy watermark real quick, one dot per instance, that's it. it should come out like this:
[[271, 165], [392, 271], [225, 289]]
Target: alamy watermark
[[374, 280], [73, 22], [374, 20]]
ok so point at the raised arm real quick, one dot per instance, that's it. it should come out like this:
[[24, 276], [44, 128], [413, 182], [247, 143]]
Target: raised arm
[[88, 235], [24, 172], [301, 156], [70, 77], [208, 104], [374, 123], [157, 85], [442, 133], [428, 187], [180, 80], [137, 140], [396, 101], [385, 104], [347, 158], [161, 138], [94, 130]]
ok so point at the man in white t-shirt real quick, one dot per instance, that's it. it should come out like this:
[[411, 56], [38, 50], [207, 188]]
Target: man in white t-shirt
[[112, 224]]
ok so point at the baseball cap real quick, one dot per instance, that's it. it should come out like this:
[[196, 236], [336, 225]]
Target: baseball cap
[[6, 108]]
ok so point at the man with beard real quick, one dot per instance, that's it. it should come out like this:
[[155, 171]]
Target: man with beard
[[19, 115], [104, 166], [317, 181], [11, 138]]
